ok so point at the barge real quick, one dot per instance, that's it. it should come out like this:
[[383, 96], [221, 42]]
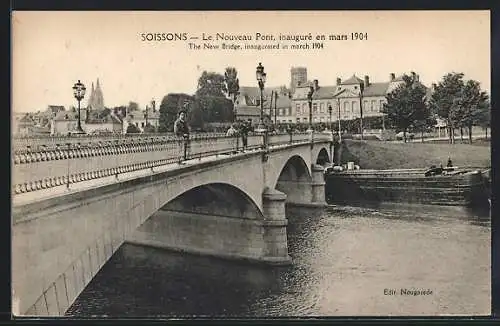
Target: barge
[[437, 186]]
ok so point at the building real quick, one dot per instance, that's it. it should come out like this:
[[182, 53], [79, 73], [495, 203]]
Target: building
[[298, 76], [355, 94], [65, 122], [283, 113], [141, 118], [23, 124], [322, 99], [247, 104], [108, 123]]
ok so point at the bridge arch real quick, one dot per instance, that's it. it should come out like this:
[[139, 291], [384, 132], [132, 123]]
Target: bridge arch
[[295, 180], [216, 199], [322, 157]]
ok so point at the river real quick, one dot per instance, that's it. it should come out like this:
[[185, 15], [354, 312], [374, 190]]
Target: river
[[346, 261]]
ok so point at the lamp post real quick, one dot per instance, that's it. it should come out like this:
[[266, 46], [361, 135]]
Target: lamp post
[[261, 79], [340, 130], [361, 111], [330, 109], [79, 93], [275, 107], [309, 101]]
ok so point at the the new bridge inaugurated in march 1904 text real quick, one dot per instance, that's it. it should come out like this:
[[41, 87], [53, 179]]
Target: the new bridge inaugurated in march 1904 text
[[77, 199]]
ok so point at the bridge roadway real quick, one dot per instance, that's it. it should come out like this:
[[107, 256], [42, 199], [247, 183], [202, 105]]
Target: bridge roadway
[[74, 204]]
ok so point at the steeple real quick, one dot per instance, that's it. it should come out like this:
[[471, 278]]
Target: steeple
[[98, 99]]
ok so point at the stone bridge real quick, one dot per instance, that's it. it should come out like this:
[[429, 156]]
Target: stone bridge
[[76, 202]]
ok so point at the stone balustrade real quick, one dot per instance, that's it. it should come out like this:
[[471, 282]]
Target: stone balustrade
[[41, 166]]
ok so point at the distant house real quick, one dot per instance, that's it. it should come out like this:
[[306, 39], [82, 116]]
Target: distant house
[[23, 125], [141, 118], [110, 123], [53, 110], [64, 122], [247, 104]]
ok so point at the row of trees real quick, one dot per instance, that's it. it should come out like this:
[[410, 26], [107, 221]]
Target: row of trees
[[460, 103], [213, 101]]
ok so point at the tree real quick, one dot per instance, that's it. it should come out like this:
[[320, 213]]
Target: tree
[[406, 105], [120, 111], [133, 106], [132, 129], [443, 100], [232, 84], [212, 104], [483, 117], [170, 105], [468, 106], [211, 84], [213, 108], [149, 128]]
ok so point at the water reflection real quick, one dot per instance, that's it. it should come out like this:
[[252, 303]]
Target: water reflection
[[343, 259]]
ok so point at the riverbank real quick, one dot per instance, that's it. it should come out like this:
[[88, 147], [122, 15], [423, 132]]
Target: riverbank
[[385, 155]]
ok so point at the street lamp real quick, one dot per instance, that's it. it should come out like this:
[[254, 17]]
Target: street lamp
[[361, 111], [309, 100], [330, 109], [79, 93], [275, 107], [261, 79], [340, 130]]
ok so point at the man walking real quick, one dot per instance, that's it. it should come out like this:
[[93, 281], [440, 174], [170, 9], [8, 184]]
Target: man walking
[[181, 129]]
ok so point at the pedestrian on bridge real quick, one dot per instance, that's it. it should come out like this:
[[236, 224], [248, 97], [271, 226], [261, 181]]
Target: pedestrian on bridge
[[181, 130], [244, 130]]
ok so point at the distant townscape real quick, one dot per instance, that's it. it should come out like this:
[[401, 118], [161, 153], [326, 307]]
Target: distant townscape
[[359, 103]]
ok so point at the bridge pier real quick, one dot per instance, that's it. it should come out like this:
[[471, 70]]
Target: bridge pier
[[305, 193], [318, 185], [275, 223]]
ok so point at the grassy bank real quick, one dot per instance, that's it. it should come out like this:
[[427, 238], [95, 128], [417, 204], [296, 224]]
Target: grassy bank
[[382, 155]]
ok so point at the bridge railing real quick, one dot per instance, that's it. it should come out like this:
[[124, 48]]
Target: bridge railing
[[62, 164]]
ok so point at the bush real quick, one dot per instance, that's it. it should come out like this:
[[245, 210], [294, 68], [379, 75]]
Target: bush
[[132, 129]]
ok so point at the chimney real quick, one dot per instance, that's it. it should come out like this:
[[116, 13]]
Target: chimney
[[413, 75], [339, 81], [316, 84], [367, 81], [433, 87], [417, 78], [392, 76]]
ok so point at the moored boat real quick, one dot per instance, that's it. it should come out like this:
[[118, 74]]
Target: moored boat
[[440, 186]]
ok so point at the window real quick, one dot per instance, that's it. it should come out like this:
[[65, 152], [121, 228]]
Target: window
[[298, 120], [381, 106], [257, 102], [354, 106], [304, 108], [374, 104], [304, 119], [346, 107], [297, 108], [142, 124], [315, 108], [365, 105], [280, 111]]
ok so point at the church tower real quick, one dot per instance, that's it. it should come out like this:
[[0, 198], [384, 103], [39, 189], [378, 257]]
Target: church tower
[[96, 99]]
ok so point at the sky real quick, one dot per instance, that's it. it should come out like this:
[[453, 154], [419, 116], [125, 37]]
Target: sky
[[52, 50]]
